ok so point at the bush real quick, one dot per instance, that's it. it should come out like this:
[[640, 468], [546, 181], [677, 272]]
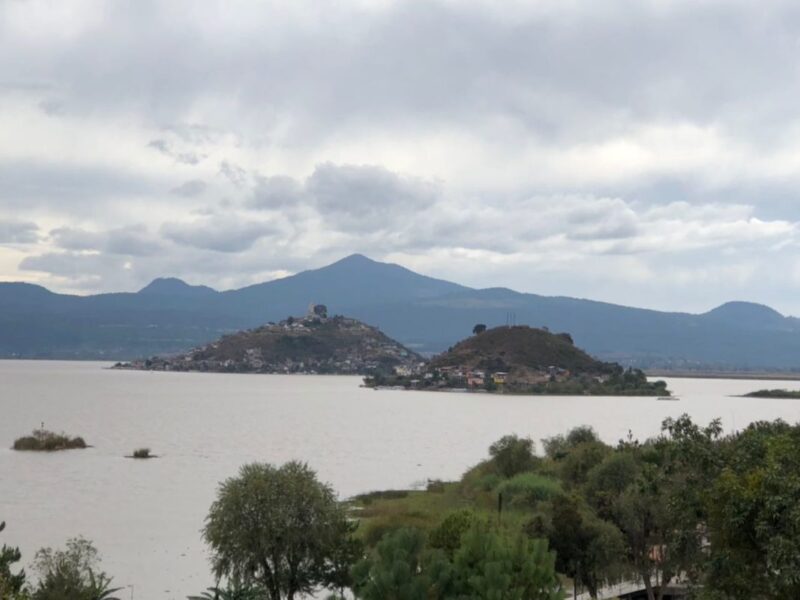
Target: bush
[[447, 536], [71, 573], [47, 441], [527, 489], [142, 453], [512, 455]]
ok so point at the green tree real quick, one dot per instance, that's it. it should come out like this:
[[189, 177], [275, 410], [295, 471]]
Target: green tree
[[447, 536], [512, 454], [277, 527], [71, 574], [398, 569], [589, 550], [11, 584], [493, 564], [754, 515]]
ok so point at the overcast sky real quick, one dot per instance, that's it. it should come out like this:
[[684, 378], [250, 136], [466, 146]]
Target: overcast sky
[[643, 152]]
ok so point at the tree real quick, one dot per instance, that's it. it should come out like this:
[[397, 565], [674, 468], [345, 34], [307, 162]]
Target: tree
[[447, 536], [71, 573], [490, 563], [396, 570], [494, 564], [754, 515], [589, 550], [512, 455], [478, 329], [277, 527], [10, 583]]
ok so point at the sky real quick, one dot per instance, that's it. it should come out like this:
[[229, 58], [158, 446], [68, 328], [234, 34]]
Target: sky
[[642, 152]]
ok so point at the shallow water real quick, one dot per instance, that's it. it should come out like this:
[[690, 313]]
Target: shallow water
[[146, 516]]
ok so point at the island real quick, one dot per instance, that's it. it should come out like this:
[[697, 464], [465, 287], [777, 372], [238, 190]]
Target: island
[[520, 360], [42, 440], [785, 394], [311, 344]]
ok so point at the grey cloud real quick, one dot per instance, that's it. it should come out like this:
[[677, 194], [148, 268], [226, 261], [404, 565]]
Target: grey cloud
[[65, 188], [221, 234], [190, 189], [72, 265], [233, 173], [276, 192], [363, 197], [164, 147], [18, 232], [129, 241], [52, 107]]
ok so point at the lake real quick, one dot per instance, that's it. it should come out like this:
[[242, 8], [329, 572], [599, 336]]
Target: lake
[[145, 516]]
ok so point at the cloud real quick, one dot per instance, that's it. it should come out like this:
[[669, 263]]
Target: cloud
[[18, 232], [221, 234], [134, 240], [164, 147], [190, 189], [591, 149], [276, 192], [350, 197]]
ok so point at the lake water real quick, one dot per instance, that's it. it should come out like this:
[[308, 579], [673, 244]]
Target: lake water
[[145, 516]]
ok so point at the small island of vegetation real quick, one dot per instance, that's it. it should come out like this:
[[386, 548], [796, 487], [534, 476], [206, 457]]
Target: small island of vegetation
[[520, 360], [142, 454], [42, 440], [787, 394]]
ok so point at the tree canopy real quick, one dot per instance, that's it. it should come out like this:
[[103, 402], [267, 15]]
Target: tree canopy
[[278, 527]]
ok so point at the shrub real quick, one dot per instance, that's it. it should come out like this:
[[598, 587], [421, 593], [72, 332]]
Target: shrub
[[142, 453], [512, 455], [71, 573], [47, 441], [527, 489], [447, 536]]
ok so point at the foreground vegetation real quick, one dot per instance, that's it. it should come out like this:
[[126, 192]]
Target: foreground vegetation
[[47, 441], [719, 514], [68, 574]]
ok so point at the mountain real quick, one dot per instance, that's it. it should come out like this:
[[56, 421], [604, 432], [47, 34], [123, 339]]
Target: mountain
[[314, 343], [171, 286], [425, 314]]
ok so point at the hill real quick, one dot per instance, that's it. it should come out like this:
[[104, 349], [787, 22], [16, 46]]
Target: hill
[[310, 344], [423, 313], [525, 360], [520, 347]]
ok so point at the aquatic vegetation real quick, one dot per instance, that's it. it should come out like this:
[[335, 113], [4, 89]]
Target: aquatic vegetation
[[47, 441]]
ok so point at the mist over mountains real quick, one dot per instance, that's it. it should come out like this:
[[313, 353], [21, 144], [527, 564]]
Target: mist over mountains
[[423, 313]]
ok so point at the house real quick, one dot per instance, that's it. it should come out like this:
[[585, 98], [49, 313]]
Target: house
[[475, 379]]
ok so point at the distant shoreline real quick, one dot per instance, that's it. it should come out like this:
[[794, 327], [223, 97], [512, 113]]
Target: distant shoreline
[[755, 375]]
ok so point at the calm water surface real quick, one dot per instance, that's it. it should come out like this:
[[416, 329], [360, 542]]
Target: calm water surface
[[146, 516]]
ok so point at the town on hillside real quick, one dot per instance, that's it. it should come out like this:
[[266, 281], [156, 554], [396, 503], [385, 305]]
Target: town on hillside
[[315, 343]]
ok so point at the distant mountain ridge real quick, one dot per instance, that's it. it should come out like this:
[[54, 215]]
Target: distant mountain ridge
[[423, 313]]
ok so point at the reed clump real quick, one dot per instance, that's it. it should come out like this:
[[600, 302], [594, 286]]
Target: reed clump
[[142, 453]]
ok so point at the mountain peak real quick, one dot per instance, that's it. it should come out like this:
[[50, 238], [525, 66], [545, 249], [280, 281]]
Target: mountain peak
[[172, 286], [747, 314]]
